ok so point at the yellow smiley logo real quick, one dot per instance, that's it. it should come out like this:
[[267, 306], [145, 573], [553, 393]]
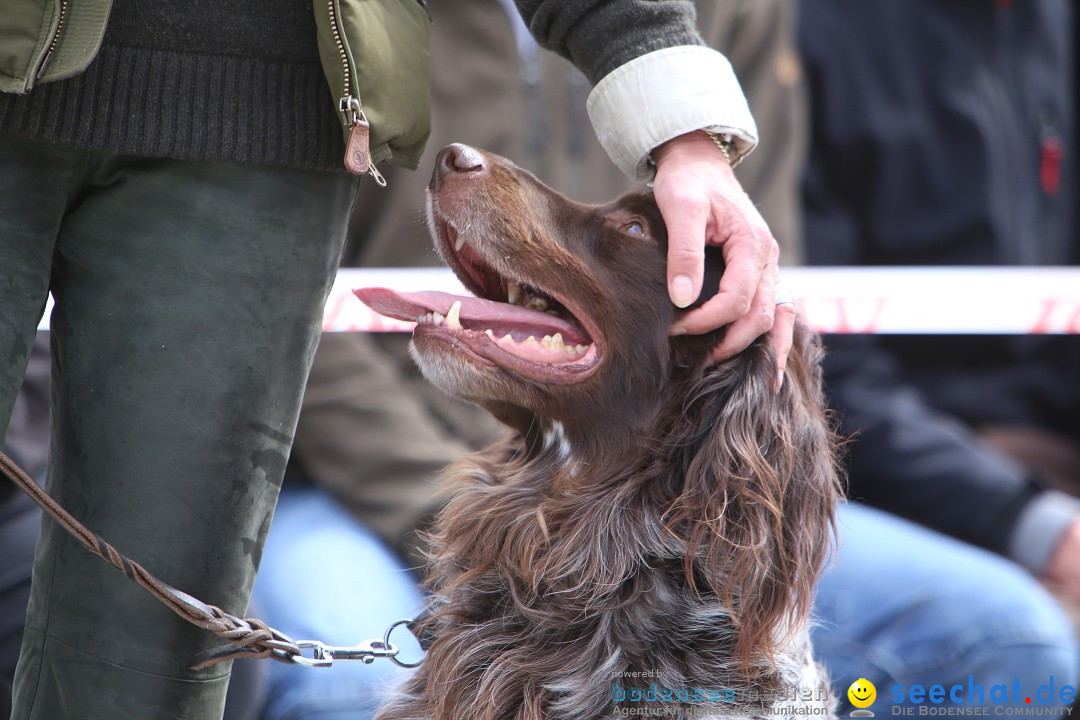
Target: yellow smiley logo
[[862, 693]]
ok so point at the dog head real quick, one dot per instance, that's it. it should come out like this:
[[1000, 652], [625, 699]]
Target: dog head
[[570, 319], [566, 340]]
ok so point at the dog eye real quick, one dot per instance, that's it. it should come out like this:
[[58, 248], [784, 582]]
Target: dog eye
[[634, 228]]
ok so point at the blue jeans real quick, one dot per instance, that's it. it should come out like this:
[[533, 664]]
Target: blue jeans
[[904, 605], [326, 577]]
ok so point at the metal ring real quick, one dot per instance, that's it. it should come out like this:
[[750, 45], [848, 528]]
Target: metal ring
[[386, 642], [783, 295]]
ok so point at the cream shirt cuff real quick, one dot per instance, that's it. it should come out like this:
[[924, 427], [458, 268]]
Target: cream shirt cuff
[[664, 94], [1040, 527]]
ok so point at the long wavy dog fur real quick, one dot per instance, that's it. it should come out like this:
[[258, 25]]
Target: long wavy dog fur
[[650, 532]]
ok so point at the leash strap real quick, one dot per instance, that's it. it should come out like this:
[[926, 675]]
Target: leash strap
[[247, 637]]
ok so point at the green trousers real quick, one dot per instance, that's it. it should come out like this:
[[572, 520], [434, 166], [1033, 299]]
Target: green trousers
[[188, 303]]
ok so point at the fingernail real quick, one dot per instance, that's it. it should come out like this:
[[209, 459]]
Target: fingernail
[[677, 330], [681, 291], [779, 381]]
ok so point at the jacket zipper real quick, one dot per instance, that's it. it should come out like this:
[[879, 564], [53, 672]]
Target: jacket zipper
[[352, 113], [54, 42]]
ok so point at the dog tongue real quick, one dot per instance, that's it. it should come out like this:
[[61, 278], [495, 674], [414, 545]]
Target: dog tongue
[[478, 313]]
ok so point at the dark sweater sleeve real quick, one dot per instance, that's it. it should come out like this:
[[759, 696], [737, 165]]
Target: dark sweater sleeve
[[909, 459], [903, 456], [600, 35]]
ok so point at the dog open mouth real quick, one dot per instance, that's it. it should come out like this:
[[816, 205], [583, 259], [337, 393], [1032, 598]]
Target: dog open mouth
[[511, 321]]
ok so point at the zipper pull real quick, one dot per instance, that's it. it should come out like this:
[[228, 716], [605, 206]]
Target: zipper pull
[[357, 147], [357, 150]]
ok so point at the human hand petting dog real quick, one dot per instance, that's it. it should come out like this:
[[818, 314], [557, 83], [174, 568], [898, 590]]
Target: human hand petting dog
[[703, 204]]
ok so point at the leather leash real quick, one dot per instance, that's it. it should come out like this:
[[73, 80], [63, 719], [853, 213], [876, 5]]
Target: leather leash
[[247, 637]]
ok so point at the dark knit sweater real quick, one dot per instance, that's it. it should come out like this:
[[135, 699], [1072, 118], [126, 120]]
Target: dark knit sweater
[[234, 80]]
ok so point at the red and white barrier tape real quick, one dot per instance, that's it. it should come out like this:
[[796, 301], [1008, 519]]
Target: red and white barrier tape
[[923, 300]]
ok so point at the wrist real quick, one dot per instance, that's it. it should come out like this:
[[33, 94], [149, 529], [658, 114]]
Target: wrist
[[682, 88], [698, 145]]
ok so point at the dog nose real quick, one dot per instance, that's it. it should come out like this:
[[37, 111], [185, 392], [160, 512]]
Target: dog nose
[[456, 158], [461, 158]]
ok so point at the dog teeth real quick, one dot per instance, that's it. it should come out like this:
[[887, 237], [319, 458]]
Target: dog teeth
[[554, 342], [460, 242], [513, 294], [452, 319], [550, 342], [431, 318], [453, 316]]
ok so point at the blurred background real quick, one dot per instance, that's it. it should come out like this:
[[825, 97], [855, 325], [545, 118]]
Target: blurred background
[[915, 133]]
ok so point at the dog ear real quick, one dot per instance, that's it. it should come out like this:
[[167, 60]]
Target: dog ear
[[755, 485]]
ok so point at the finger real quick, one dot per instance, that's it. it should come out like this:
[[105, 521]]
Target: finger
[[782, 336], [739, 285], [741, 333], [746, 257], [685, 219], [745, 330], [710, 316]]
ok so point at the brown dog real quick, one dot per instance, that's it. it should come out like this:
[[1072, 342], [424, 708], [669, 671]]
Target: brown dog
[[650, 533]]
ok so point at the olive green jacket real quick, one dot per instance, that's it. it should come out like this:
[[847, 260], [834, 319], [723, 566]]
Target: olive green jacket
[[374, 54], [43, 40]]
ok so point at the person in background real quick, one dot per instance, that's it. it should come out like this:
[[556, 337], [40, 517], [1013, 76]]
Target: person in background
[[944, 134]]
